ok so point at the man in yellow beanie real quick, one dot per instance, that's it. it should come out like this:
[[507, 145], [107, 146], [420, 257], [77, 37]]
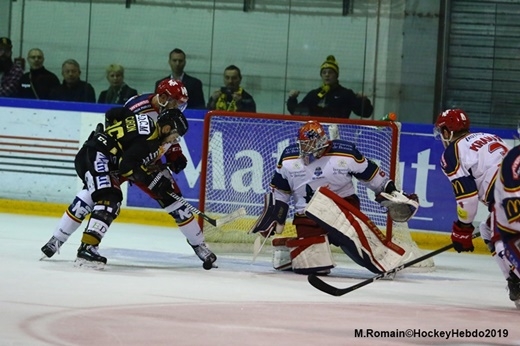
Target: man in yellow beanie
[[331, 99]]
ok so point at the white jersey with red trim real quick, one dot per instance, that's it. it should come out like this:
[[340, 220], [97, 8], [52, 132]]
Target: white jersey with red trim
[[334, 170], [507, 193], [471, 164]]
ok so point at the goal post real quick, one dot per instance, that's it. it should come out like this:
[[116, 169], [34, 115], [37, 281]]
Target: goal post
[[239, 155]]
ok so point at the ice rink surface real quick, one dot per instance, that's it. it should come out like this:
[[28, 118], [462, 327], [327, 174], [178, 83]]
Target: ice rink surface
[[154, 291]]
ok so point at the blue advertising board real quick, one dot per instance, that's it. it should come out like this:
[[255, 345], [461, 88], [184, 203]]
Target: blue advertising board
[[419, 165], [419, 168]]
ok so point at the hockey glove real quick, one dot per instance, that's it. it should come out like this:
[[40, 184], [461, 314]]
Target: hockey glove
[[178, 164], [273, 218], [401, 206], [161, 184], [461, 236]]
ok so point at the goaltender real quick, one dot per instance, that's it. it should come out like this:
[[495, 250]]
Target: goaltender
[[317, 173]]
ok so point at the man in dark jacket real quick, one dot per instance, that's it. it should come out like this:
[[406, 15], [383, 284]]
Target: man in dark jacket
[[331, 99], [72, 88], [177, 61], [38, 82]]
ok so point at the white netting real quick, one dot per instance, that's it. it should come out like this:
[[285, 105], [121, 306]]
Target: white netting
[[240, 156]]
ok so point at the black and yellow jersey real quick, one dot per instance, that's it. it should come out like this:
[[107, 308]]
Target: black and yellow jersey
[[130, 143]]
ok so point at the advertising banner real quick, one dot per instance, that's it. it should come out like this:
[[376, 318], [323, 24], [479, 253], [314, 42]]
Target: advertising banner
[[31, 169]]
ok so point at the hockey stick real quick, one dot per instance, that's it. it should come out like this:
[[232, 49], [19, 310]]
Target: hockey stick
[[215, 222], [334, 291], [257, 246]]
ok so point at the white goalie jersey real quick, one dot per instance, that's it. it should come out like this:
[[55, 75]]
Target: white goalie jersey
[[335, 170]]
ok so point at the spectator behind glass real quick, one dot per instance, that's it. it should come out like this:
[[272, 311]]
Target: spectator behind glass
[[10, 73], [72, 88], [331, 99], [118, 92], [177, 61], [232, 97], [38, 82]]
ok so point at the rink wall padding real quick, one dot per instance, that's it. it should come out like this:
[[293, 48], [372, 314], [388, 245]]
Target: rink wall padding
[[426, 240]]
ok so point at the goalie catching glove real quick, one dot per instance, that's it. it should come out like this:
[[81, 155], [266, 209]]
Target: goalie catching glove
[[273, 217], [401, 206]]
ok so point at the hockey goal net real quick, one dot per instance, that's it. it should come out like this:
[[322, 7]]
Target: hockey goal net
[[240, 153]]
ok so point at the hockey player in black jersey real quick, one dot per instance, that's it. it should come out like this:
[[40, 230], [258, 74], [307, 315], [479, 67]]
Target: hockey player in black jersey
[[170, 96], [125, 149]]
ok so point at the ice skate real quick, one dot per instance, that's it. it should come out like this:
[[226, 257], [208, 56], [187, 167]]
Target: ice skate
[[89, 257], [513, 285], [205, 254], [51, 247]]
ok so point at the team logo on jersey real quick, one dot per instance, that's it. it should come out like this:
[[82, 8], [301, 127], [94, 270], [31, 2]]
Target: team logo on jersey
[[457, 187], [515, 168], [297, 165], [342, 163], [512, 209], [318, 171], [143, 124]]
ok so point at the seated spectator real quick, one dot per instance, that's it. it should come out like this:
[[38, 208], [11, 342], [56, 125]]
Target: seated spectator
[[118, 92], [10, 73], [72, 88], [232, 97], [38, 82], [331, 99], [177, 61]]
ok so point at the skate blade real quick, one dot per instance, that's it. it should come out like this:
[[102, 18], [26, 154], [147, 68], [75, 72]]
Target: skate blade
[[517, 303], [84, 264]]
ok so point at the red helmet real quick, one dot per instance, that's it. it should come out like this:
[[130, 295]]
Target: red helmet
[[453, 119], [312, 138], [175, 90]]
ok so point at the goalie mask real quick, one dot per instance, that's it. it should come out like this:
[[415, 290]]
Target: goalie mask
[[173, 93], [453, 120], [312, 141]]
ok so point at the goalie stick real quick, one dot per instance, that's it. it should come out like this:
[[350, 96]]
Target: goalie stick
[[334, 291], [259, 244], [215, 222]]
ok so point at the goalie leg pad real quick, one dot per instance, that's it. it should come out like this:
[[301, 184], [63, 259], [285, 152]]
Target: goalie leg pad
[[281, 254], [273, 216], [311, 255], [354, 232]]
